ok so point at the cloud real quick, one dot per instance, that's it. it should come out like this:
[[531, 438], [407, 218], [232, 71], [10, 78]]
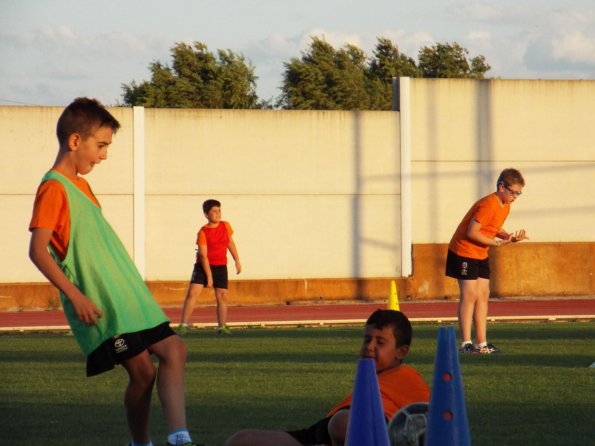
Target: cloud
[[571, 55], [74, 63], [14, 41], [337, 40], [47, 35], [477, 11], [409, 43], [479, 36], [574, 47]]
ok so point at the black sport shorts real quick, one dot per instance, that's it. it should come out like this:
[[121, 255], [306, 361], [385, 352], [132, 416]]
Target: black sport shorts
[[465, 268], [123, 347], [315, 434], [219, 275]]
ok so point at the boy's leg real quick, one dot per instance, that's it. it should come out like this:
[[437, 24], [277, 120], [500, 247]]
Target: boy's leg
[[171, 353], [137, 398], [337, 427], [255, 437], [194, 290], [469, 294], [480, 316], [221, 298]]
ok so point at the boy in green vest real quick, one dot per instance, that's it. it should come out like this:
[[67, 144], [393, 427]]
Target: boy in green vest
[[113, 316]]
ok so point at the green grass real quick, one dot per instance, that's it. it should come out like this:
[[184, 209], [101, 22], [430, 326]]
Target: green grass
[[539, 391]]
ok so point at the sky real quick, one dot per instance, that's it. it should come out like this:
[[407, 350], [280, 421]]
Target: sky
[[52, 51]]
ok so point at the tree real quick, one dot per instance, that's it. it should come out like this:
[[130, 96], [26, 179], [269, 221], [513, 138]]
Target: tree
[[197, 79], [387, 63], [346, 79], [449, 60], [325, 79]]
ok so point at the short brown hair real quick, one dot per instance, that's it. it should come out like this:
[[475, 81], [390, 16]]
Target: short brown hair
[[209, 204], [510, 176], [82, 116]]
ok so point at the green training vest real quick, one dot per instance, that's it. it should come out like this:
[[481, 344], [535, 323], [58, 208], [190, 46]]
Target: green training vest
[[99, 265]]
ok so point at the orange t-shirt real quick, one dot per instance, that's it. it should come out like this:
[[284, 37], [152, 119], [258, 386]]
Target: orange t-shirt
[[51, 211], [398, 388], [491, 213]]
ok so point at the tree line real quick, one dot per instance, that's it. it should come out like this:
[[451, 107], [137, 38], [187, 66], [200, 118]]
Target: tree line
[[323, 78]]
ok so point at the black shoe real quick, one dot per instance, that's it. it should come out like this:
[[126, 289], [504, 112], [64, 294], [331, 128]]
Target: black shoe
[[469, 349]]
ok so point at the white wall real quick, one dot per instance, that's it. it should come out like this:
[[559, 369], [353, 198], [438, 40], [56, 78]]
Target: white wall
[[465, 132], [316, 194], [309, 194]]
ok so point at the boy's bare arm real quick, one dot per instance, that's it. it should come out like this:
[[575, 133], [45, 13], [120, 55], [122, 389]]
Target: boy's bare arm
[[85, 309], [234, 253], [204, 261], [474, 233]]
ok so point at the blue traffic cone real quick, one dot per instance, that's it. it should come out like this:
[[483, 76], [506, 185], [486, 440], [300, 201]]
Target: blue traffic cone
[[447, 423], [367, 425]]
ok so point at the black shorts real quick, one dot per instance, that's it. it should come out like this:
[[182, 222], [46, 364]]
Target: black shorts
[[219, 275], [465, 268], [315, 434], [124, 347]]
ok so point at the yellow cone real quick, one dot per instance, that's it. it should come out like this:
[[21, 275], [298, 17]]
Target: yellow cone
[[393, 298]]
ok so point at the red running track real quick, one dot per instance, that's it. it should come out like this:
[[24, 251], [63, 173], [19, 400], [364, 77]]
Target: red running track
[[265, 315]]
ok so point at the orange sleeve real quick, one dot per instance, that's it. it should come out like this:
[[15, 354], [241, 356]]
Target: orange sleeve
[[51, 211], [201, 238], [229, 230]]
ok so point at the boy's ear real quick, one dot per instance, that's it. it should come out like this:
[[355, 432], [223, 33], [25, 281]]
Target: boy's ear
[[74, 141], [402, 352]]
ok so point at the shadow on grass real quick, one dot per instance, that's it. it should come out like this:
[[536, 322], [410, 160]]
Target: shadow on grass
[[531, 423]]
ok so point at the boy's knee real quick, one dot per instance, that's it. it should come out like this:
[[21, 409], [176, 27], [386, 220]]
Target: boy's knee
[[177, 351], [171, 350], [337, 426], [241, 438], [143, 376]]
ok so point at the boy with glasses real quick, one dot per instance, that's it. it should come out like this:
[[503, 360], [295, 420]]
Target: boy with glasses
[[467, 259]]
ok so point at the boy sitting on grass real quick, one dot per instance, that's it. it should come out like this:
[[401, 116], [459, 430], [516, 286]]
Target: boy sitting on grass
[[387, 337]]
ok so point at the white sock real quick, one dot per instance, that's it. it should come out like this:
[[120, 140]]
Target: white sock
[[178, 437], [464, 343], [483, 344]]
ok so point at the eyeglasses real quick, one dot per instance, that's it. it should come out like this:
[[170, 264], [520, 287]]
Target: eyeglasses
[[510, 191]]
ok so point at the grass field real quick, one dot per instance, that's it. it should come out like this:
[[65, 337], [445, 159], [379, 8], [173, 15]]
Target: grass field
[[538, 391]]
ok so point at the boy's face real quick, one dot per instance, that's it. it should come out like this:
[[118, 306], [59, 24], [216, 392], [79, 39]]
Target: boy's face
[[87, 152], [381, 346], [214, 215], [509, 193]]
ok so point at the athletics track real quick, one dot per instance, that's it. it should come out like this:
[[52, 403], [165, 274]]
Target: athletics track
[[500, 310]]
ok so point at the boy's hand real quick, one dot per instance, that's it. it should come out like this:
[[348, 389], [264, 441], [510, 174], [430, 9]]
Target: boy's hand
[[209, 283], [86, 310], [518, 236], [238, 267]]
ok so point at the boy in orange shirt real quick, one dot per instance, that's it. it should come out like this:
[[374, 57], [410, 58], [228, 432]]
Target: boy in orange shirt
[[467, 259], [387, 338], [111, 312], [210, 270]]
